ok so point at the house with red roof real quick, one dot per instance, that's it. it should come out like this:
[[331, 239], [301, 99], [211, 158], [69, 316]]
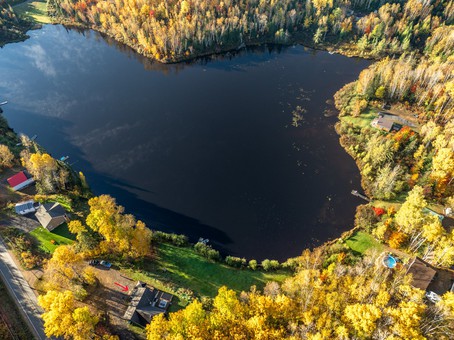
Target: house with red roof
[[20, 181]]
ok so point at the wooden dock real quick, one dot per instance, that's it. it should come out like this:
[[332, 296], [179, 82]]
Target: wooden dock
[[356, 193]]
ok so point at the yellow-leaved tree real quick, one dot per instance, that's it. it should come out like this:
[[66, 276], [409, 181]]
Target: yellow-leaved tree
[[121, 233], [6, 157], [63, 318]]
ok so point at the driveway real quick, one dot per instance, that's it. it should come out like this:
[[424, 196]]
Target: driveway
[[25, 223], [21, 292]]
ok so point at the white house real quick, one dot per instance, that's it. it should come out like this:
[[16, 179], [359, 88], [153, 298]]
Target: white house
[[25, 207]]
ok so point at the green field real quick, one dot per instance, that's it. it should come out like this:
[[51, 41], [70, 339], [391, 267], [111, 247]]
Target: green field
[[34, 11], [59, 235], [361, 241], [363, 120], [185, 268]]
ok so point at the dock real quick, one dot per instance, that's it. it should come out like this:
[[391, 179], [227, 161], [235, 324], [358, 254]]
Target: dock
[[356, 193]]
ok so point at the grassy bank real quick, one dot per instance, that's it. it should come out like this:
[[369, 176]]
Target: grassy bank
[[48, 241], [361, 241], [183, 267], [363, 120], [33, 11]]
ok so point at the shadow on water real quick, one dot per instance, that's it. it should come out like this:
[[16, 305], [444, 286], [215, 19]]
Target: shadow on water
[[154, 216]]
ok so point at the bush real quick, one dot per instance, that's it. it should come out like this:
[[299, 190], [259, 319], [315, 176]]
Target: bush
[[270, 264], [236, 262], [175, 239], [291, 263], [397, 239], [253, 264], [206, 251], [379, 211], [29, 260], [185, 294], [365, 217]]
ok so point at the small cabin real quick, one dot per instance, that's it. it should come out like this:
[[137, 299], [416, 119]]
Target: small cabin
[[20, 181], [24, 208]]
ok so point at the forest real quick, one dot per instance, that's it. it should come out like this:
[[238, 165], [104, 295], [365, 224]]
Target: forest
[[170, 31]]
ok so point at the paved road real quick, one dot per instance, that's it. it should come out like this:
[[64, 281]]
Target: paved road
[[21, 292]]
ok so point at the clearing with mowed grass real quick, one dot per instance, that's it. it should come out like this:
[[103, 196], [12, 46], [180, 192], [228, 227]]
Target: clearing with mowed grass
[[184, 267], [34, 11], [48, 241]]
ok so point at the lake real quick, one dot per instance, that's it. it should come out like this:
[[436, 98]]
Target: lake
[[209, 148]]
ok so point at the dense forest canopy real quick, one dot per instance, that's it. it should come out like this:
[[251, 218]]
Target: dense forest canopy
[[174, 30], [360, 301]]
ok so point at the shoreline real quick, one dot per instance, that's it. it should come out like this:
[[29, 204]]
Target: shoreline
[[314, 244]]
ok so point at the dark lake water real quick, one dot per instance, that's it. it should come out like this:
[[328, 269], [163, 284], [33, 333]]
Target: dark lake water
[[207, 148]]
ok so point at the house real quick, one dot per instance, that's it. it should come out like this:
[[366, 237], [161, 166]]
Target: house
[[146, 303], [51, 215], [386, 122], [26, 207], [423, 274], [20, 181]]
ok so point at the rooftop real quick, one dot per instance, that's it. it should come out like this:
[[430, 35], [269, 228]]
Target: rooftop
[[17, 179], [146, 303], [422, 273]]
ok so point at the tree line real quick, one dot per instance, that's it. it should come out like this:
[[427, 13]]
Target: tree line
[[175, 30]]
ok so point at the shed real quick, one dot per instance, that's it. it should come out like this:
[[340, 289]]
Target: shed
[[422, 273], [386, 122], [20, 181], [51, 215], [23, 208], [146, 303]]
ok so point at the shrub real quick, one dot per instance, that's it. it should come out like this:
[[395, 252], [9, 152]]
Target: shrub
[[291, 263], [185, 293], [270, 264], [397, 239], [175, 239], [365, 217], [253, 264], [379, 211], [206, 251], [29, 260], [236, 262]]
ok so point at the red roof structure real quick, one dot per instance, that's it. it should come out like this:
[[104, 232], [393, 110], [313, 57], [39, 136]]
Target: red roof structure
[[17, 179]]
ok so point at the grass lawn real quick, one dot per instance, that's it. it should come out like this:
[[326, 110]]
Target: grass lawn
[[60, 235], [186, 268], [34, 11], [363, 120], [361, 241]]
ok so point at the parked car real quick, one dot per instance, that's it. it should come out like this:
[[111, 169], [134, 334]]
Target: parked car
[[105, 264], [93, 262], [432, 296]]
